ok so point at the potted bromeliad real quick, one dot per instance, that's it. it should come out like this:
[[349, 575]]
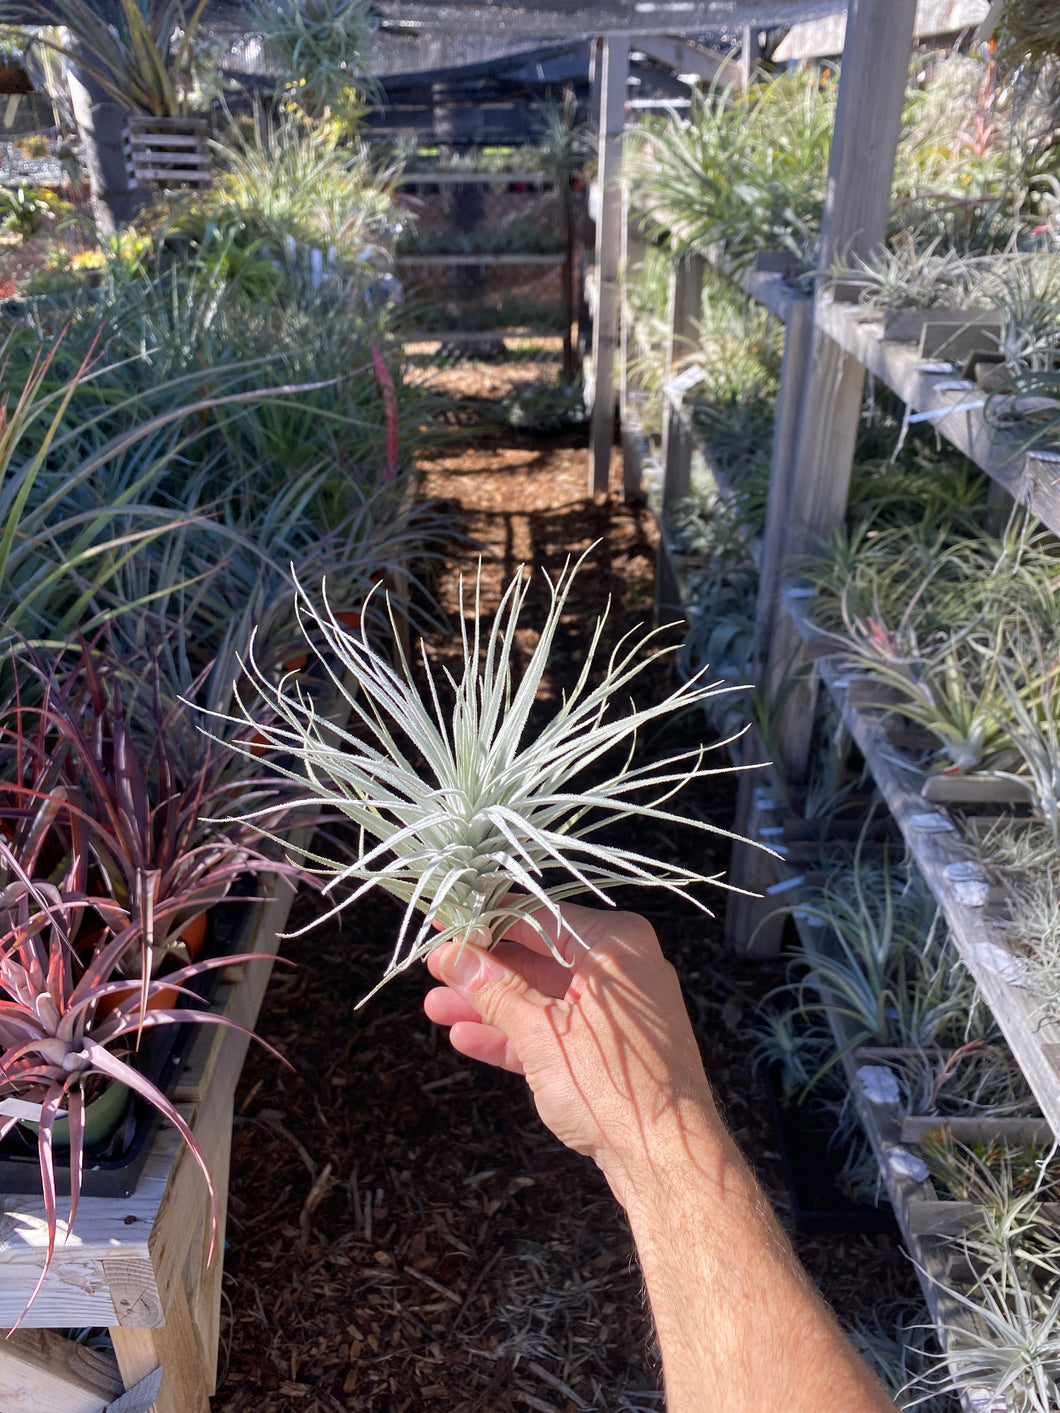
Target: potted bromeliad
[[111, 850]]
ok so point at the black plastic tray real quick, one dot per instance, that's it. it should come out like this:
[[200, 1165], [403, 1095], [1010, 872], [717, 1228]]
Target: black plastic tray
[[812, 1163]]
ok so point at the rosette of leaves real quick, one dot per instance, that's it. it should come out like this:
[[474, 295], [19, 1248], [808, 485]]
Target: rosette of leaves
[[139, 52], [471, 817], [316, 46], [53, 1040]]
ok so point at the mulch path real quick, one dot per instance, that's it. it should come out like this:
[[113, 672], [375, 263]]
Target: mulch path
[[403, 1232]]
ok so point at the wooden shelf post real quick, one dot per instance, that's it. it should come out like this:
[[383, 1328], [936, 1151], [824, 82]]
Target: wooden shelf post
[[819, 407], [613, 71]]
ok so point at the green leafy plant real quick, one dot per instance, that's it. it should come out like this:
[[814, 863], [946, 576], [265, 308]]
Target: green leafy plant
[[318, 47], [25, 209], [133, 57], [465, 818]]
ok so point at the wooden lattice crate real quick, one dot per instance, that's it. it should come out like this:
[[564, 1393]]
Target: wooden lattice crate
[[168, 151]]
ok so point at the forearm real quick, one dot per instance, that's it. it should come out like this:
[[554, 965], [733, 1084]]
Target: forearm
[[740, 1328]]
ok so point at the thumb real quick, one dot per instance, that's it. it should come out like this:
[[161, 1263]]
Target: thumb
[[495, 990]]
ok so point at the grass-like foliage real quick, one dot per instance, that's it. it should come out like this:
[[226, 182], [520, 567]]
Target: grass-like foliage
[[467, 817]]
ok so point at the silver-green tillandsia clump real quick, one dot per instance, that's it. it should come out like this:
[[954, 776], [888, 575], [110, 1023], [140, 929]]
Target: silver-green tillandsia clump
[[461, 815]]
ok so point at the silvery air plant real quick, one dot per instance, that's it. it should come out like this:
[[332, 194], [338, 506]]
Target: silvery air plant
[[467, 818]]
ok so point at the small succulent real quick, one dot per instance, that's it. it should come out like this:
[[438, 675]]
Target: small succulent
[[467, 818]]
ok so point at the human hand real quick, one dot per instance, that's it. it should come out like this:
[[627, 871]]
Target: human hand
[[605, 1044]]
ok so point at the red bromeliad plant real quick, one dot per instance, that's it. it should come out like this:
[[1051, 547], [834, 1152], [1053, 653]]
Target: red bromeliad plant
[[115, 832], [97, 795], [53, 1039]]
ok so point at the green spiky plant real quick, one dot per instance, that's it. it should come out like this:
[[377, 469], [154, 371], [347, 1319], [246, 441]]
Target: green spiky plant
[[468, 819], [133, 58]]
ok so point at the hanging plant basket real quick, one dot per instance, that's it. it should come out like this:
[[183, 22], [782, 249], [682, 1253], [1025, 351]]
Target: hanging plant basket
[[168, 152]]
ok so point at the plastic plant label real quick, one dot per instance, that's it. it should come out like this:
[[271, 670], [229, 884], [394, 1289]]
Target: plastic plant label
[[141, 1398], [907, 1164], [985, 1400], [935, 365], [999, 960], [965, 870], [21, 1109], [971, 892], [930, 823], [785, 884], [684, 382], [879, 1083]]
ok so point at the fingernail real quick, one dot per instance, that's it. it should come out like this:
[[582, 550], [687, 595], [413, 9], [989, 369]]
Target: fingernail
[[465, 967]]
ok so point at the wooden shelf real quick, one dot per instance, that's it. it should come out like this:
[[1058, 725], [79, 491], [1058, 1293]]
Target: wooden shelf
[[450, 178], [768, 287], [920, 1213], [1034, 1042], [1029, 480], [550, 259]]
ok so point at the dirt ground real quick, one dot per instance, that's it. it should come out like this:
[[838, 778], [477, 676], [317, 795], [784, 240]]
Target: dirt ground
[[403, 1233]]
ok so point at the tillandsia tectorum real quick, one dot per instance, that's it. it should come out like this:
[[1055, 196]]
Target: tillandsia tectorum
[[467, 818]]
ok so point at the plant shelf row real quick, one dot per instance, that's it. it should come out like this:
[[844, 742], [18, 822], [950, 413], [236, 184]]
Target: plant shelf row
[[921, 1214], [553, 259], [935, 844]]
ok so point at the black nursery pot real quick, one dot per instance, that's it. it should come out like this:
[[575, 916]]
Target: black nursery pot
[[112, 1166], [812, 1165]]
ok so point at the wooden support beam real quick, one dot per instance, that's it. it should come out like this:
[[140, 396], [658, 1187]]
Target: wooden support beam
[[614, 71], [813, 501], [815, 38], [688, 58], [44, 1372], [750, 53], [683, 315], [633, 249], [174, 1348], [819, 406], [794, 369]]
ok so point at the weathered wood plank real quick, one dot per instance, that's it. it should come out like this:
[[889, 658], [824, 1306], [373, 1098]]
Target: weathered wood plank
[[1030, 479], [43, 1372], [997, 972], [614, 72]]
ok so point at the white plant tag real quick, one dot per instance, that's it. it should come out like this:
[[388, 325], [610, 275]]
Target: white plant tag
[[141, 1398], [934, 365], [964, 870], [999, 960], [685, 381], [930, 823], [971, 892], [21, 1109], [785, 884], [880, 1084], [985, 1400], [907, 1164], [954, 385]]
